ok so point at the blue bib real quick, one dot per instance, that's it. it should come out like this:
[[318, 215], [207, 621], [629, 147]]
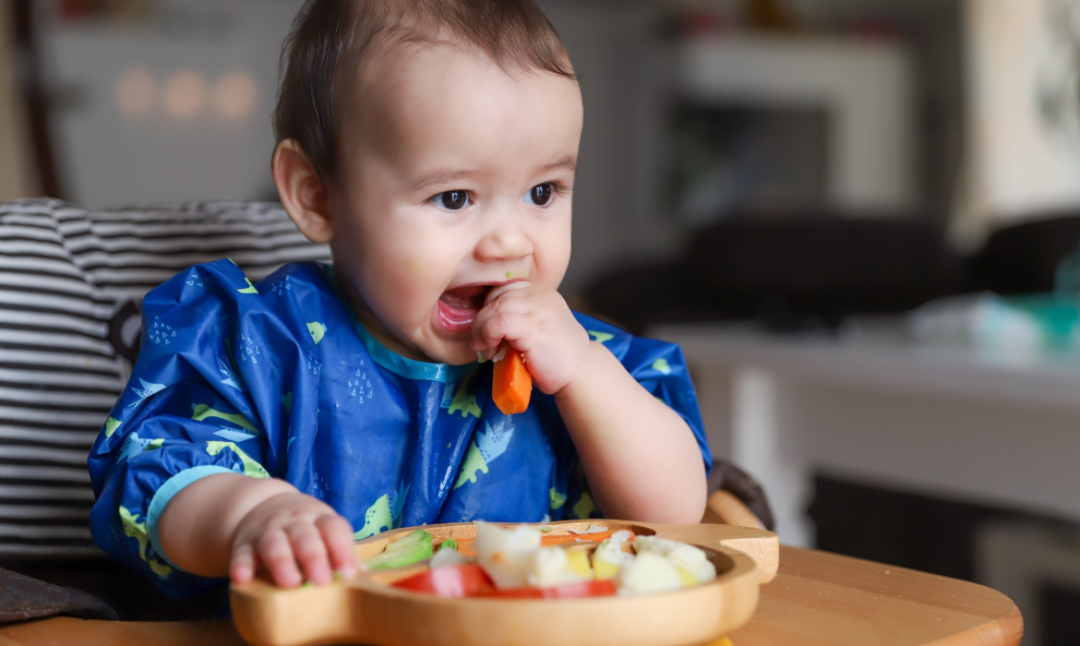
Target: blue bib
[[280, 380]]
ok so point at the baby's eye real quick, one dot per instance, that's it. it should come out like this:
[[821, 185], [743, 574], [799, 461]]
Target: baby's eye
[[539, 195], [451, 200]]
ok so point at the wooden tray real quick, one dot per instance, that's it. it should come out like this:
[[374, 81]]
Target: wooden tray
[[365, 610]]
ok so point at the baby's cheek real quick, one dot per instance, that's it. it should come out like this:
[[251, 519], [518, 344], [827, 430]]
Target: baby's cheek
[[410, 285]]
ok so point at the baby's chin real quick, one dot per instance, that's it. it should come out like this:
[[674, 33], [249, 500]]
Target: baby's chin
[[451, 352]]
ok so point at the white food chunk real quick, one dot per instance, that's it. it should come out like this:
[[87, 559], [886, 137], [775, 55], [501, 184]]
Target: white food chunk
[[648, 573], [506, 555], [448, 558], [688, 557], [610, 551], [550, 567]]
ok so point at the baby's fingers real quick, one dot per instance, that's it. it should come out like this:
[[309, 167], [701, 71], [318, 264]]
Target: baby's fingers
[[310, 551], [505, 325], [275, 551], [337, 534], [242, 565]]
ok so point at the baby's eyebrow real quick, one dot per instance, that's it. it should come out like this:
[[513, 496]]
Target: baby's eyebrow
[[444, 177], [568, 163]]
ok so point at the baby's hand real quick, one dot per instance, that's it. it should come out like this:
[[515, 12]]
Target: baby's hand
[[290, 529], [535, 321]]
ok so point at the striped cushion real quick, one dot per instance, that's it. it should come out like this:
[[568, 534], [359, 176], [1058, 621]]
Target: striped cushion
[[64, 275]]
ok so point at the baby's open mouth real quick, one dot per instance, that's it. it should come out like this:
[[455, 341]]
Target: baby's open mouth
[[458, 306], [466, 298]]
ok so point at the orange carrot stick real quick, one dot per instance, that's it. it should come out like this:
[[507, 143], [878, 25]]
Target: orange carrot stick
[[558, 539], [511, 386]]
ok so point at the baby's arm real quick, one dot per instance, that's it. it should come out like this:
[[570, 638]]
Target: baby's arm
[[228, 524], [640, 457], [183, 467]]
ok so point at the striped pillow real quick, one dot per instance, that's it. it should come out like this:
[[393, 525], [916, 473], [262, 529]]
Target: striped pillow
[[67, 278]]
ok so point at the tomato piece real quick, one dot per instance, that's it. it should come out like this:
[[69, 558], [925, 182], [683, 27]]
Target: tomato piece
[[453, 582], [570, 591]]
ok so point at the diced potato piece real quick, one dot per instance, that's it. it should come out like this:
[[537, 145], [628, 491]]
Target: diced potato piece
[[687, 579], [579, 563], [648, 573], [551, 566], [688, 557], [604, 571]]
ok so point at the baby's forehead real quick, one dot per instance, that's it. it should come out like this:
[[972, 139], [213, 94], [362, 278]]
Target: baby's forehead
[[413, 67]]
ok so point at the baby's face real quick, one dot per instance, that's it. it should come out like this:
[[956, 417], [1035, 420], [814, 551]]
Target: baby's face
[[454, 177]]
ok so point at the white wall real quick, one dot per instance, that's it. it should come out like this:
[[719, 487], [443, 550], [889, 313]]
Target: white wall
[[1020, 160], [108, 157]]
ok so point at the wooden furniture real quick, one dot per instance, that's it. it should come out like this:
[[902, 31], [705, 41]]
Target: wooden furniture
[[816, 599], [723, 507], [367, 610]]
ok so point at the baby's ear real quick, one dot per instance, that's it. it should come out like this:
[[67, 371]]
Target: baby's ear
[[301, 192]]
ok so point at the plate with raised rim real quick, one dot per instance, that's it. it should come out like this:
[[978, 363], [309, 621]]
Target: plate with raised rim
[[367, 610]]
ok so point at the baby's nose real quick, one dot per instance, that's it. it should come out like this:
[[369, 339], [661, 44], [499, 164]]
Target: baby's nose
[[504, 243]]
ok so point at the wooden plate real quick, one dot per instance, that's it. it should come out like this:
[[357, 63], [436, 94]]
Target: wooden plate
[[365, 610]]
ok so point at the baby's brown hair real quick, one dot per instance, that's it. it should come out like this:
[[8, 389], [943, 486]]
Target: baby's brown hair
[[327, 34]]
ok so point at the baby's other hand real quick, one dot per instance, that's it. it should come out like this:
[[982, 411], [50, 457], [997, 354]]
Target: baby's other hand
[[537, 322], [296, 538]]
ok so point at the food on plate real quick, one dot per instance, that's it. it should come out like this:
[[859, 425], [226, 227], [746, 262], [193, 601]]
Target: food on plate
[[413, 548], [452, 582], [511, 384], [649, 572], [525, 563], [612, 554], [687, 558], [445, 557], [471, 581]]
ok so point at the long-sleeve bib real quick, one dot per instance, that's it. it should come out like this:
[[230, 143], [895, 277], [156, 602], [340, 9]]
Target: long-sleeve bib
[[280, 380]]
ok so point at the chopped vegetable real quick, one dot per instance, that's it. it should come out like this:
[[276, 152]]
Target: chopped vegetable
[[578, 560], [452, 582], [511, 386], [604, 571], [687, 557], [610, 557], [554, 566], [592, 537], [649, 572], [448, 558], [570, 591], [465, 547], [413, 548], [592, 529], [505, 554], [525, 563]]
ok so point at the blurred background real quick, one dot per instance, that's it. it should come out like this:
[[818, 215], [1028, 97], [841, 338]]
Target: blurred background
[[860, 218]]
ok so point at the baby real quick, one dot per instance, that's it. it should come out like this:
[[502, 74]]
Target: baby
[[433, 144]]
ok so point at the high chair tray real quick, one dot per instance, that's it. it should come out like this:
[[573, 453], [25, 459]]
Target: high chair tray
[[366, 610]]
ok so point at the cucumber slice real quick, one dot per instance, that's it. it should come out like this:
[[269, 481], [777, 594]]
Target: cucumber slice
[[415, 547]]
